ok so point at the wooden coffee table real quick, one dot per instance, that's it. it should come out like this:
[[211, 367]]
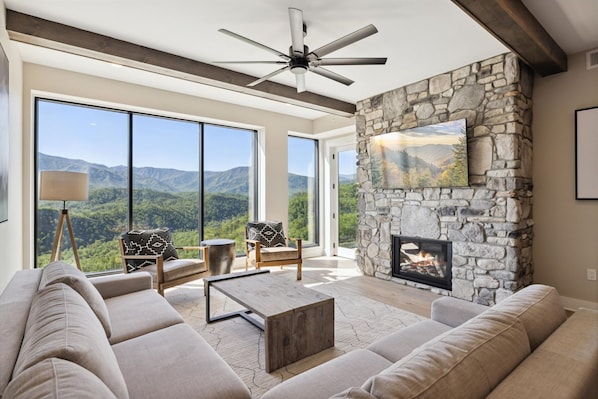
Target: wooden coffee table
[[297, 321]]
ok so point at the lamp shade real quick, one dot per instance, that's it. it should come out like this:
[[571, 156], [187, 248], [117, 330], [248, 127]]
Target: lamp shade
[[63, 186]]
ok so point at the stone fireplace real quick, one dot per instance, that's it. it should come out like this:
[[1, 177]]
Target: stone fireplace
[[489, 223]]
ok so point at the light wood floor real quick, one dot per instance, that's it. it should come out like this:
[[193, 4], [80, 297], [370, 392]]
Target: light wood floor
[[345, 273]]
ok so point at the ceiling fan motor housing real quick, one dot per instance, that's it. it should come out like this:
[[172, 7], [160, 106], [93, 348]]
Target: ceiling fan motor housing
[[299, 63]]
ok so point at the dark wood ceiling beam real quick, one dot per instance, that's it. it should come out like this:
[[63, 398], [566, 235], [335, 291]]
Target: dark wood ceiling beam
[[515, 26], [40, 32]]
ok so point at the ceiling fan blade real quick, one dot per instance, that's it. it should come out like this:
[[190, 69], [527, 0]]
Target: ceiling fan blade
[[345, 41], [268, 76], [246, 40], [296, 21], [349, 61], [249, 62], [332, 75], [300, 80]]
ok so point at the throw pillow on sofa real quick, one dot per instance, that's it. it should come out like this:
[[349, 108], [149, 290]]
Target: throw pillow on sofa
[[56, 378], [60, 272], [61, 324]]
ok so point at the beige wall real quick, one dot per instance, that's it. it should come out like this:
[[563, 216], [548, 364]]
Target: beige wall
[[11, 245], [566, 230]]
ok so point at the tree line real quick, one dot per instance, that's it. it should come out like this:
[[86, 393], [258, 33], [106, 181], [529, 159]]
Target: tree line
[[98, 222]]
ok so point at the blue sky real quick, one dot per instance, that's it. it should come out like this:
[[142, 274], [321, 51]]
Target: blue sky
[[100, 136]]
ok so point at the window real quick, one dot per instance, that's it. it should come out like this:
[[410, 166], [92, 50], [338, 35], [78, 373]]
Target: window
[[145, 171], [230, 182], [303, 189]]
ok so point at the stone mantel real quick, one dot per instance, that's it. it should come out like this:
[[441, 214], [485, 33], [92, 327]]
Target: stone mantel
[[490, 222]]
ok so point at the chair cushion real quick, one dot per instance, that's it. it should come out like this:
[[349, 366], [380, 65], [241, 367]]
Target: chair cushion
[[269, 234], [148, 242], [57, 378], [60, 272], [274, 254], [177, 268], [61, 324]]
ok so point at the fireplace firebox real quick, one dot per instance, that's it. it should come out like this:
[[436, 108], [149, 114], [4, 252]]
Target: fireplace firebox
[[422, 260]]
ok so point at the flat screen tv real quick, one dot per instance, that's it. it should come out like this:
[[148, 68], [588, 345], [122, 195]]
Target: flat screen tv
[[427, 156]]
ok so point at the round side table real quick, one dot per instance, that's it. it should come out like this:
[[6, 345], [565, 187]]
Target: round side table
[[221, 254]]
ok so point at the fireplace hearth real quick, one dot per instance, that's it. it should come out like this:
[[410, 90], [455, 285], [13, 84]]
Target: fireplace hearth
[[422, 260]]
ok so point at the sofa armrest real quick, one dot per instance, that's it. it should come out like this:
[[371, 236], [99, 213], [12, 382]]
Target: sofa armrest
[[121, 284], [454, 312]]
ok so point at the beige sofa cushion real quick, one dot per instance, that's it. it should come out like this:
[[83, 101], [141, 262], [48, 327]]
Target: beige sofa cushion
[[57, 378], [138, 313], [399, 344], [480, 352], [61, 324], [539, 308], [352, 368], [14, 308], [60, 272], [176, 362], [564, 366]]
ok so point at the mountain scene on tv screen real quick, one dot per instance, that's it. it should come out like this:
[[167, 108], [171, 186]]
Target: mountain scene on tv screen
[[429, 156], [161, 198]]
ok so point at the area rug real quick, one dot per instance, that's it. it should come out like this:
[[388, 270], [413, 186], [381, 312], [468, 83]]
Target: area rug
[[358, 322]]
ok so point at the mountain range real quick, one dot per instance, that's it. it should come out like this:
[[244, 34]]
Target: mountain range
[[232, 181]]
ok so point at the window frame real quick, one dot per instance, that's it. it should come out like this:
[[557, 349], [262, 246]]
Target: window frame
[[254, 199]]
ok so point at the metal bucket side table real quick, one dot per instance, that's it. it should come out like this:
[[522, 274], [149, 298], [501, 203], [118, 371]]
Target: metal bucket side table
[[221, 254]]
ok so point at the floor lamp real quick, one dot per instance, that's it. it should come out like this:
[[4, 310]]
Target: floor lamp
[[63, 186]]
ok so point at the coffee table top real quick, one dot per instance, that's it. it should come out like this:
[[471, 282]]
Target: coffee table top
[[270, 295]]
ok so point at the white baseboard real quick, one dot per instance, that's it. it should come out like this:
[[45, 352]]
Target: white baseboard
[[574, 303]]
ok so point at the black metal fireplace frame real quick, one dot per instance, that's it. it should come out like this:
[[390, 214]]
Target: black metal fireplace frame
[[444, 283]]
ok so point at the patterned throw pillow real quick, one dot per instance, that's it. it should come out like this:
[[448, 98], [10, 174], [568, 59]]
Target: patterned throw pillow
[[269, 234], [148, 242]]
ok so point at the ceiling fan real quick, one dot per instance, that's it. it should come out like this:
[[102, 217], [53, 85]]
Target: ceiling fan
[[300, 59]]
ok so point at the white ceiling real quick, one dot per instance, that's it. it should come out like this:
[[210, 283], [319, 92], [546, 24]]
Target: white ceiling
[[421, 38]]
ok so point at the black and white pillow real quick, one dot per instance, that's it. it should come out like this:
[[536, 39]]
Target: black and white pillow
[[148, 242], [269, 234]]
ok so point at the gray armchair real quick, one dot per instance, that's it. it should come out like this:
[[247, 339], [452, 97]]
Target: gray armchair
[[153, 251], [266, 245]]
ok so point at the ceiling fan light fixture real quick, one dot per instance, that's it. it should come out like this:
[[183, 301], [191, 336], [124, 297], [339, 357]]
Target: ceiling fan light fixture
[[299, 69]]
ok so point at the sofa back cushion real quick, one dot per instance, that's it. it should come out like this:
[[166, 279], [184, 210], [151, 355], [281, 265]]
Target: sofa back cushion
[[15, 302], [56, 378], [60, 272], [466, 362], [539, 308], [61, 324]]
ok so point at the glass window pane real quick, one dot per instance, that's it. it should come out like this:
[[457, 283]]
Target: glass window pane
[[92, 140], [347, 199], [166, 176], [303, 193], [229, 182]]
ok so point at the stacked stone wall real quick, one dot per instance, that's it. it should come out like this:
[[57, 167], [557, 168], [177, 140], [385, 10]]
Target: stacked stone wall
[[490, 223]]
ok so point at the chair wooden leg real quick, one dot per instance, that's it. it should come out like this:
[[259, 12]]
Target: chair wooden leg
[[298, 271]]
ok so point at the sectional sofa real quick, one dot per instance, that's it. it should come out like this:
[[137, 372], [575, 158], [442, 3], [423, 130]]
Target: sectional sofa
[[524, 347], [63, 335]]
